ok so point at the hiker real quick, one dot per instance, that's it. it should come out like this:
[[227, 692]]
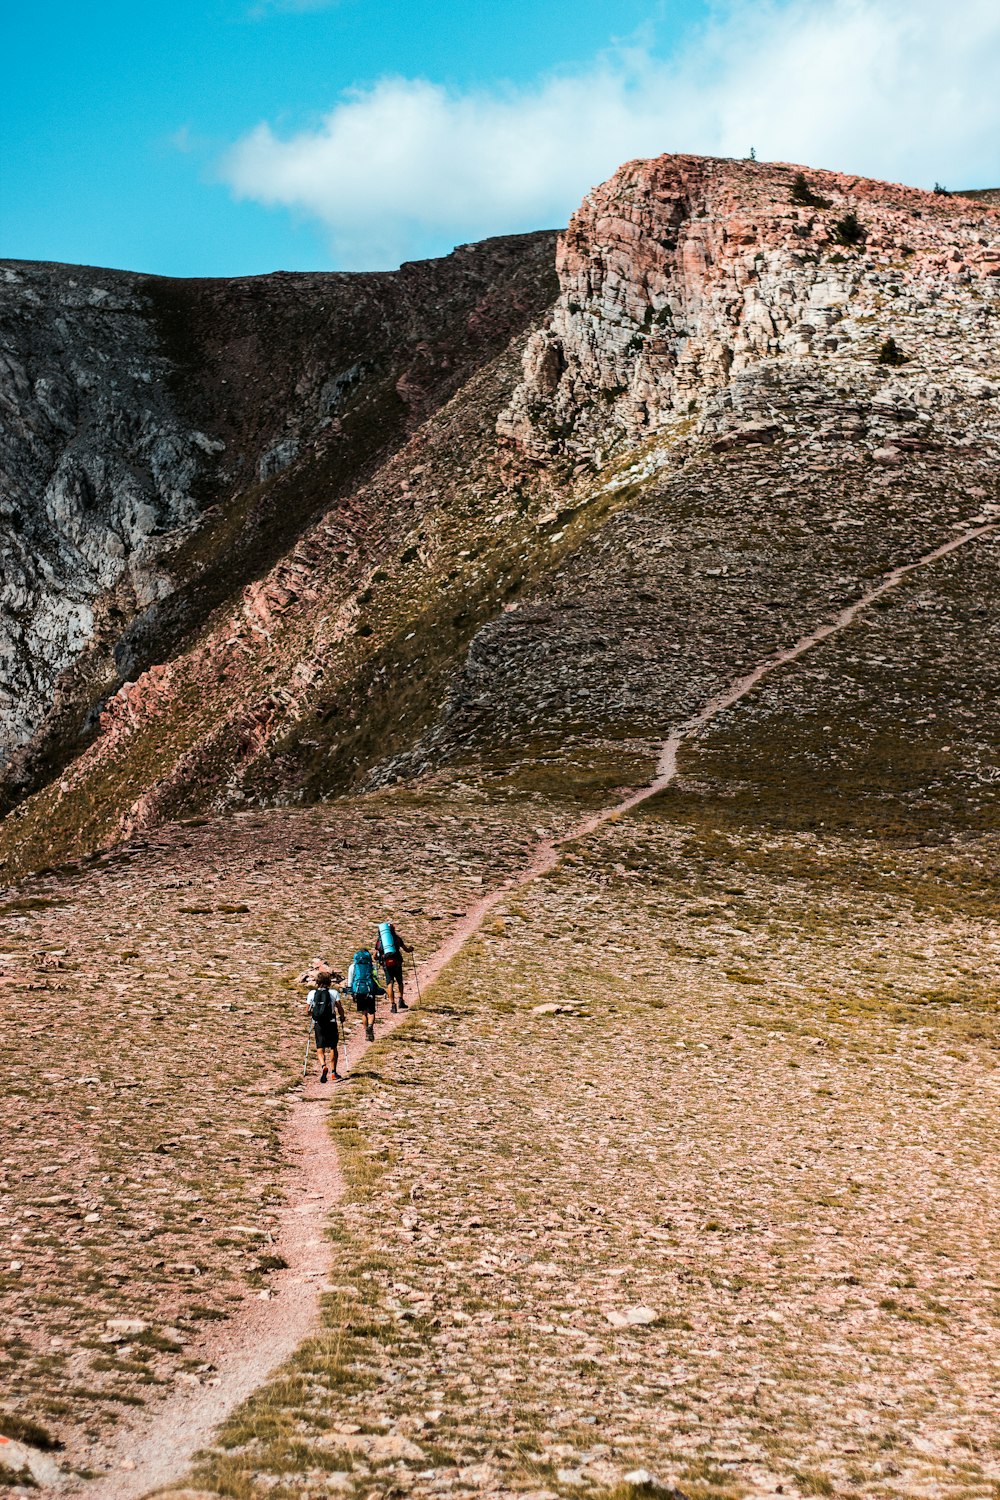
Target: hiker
[[325, 1007], [389, 951], [364, 986]]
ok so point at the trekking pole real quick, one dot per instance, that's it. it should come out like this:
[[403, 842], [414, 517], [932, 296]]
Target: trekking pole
[[416, 976], [305, 1060]]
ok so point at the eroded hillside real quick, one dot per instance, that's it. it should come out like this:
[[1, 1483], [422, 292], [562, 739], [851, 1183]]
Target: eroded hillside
[[757, 388], [681, 1182], [165, 442]]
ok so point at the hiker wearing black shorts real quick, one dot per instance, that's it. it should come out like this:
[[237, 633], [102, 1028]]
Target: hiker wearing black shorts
[[325, 1007], [364, 986], [390, 956]]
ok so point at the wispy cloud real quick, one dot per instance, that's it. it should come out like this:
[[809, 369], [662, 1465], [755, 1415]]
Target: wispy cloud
[[903, 89]]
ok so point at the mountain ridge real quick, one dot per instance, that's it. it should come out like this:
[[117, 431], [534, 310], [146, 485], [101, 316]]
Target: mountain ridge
[[225, 385], [704, 310]]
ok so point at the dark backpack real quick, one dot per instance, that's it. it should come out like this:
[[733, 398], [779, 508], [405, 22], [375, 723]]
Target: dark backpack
[[363, 981], [321, 1005]]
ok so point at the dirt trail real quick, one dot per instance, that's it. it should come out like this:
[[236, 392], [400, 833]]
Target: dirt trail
[[547, 854], [266, 1332], [244, 1351]]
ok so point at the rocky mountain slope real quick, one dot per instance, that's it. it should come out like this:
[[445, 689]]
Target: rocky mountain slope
[[756, 388], [680, 1183], [165, 442], [723, 361]]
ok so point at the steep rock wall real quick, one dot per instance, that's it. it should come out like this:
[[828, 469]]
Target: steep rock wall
[[96, 465], [164, 443], [680, 275]]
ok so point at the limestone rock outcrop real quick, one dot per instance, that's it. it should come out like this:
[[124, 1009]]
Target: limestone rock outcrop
[[742, 370], [680, 275], [97, 465]]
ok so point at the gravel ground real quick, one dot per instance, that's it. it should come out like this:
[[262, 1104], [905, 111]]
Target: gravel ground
[[154, 1031], [684, 1178], [729, 1217]]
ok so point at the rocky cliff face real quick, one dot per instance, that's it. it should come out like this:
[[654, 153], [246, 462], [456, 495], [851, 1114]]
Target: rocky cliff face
[[165, 441], [459, 520], [96, 467], [681, 277]]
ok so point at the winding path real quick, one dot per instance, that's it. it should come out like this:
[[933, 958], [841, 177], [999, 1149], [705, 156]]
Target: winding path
[[266, 1332]]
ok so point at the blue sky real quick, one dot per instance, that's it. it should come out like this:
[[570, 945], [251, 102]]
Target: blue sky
[[239, 136]]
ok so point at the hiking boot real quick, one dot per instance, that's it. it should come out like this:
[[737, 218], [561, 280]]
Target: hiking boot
[[394, 1007], [369, 1033], [339, 1076], [323, 1076], [403, 1005]]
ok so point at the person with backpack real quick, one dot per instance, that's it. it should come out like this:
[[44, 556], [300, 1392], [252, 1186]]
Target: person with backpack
[[364, 986], [325, 1007], [389, 951]]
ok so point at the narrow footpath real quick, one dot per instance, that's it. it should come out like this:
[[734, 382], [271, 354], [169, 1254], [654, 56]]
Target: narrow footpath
[[157, 1449]]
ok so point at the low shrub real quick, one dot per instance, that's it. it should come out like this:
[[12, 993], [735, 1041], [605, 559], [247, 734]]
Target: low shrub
[[24, 1430], [802, 194], [891, 354], [848, 230]]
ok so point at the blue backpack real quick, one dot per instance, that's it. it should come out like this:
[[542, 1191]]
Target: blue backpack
[[363, 981]]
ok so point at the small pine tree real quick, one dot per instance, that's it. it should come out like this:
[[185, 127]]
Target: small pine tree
[[941, 191], [802, 194], [848, 230], [891, 354]]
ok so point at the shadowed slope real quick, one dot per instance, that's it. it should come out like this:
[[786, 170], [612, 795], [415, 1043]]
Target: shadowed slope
[[167, 441]]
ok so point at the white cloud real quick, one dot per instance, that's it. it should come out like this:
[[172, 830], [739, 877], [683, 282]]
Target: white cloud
[[901, 89]]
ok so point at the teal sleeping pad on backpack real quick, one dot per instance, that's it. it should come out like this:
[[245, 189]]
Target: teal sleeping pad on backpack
[[387, 937]]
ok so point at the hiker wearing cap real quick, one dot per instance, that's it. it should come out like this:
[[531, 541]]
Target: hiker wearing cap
[[389, 951], [364, 986], [325, 1007]]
